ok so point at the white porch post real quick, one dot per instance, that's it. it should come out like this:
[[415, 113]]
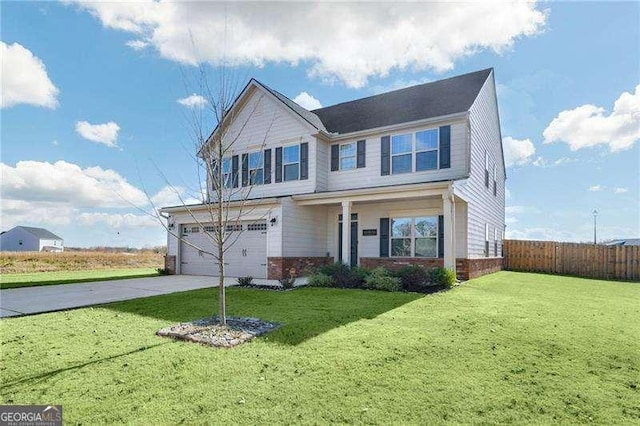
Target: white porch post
[[448, 207], [346, 232]]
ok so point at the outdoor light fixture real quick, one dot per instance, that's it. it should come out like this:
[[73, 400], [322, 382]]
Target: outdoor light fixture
[[273, 221]]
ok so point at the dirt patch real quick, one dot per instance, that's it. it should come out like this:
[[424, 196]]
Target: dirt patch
[[208, 331]]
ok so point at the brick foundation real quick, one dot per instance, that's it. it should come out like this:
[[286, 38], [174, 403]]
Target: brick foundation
[[474, 268], [280, 267], [393, 264], [170, 264]]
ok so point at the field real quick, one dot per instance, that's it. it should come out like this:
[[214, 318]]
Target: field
[[508, 347], [39, 268]]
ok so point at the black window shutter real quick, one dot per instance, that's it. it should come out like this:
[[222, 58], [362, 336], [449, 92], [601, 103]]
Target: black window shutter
[[445, 147], [279, 164], [304, 161], [385, 156], [267, 166], [362, 147], [234, 170], [335, 157], [245, 169], [384, 237], [214, 174], [441, 236]]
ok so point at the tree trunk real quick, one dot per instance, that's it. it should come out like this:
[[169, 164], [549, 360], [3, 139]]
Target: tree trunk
[[222, 308]]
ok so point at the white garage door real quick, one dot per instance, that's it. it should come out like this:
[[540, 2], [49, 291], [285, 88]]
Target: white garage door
[[246, 256]]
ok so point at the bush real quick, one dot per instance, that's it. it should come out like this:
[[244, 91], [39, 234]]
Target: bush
[[344, 276], [414, 278], [320, 280], [245, 280], [163, 271], [287, 283], [443, 277], [381, 279]]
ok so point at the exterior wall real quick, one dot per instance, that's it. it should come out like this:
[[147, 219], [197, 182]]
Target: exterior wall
[[304, 230], [473, 268], [270, 125], [58, 244], [483, 207], [287, 267], [10, 241], [323, 165], [369, 176]]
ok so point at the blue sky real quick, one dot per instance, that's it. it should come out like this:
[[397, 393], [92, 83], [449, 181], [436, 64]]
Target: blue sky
[[90, 117]]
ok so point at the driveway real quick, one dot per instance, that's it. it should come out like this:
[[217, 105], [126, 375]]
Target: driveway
[[33, 300]]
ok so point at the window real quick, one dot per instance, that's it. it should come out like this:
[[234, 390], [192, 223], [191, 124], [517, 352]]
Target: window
[[427, 150], [486, 172], [234, 228], [256, 168], [486, 240], [401, 153], [495, 185], [209, 228], [257, 227], [227, 177], [195, 229], [291, 162], [495, 242], [414, 237], [185, 230], [348, 156]]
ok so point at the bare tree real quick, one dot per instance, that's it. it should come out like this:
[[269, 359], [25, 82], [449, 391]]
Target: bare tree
[[225, 200]]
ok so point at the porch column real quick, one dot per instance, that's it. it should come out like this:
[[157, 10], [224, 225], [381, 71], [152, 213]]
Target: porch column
[[449, 211], [346, 232]]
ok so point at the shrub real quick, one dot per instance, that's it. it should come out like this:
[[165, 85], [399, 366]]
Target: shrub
[[287, 283], [381, 279], [163, 271], [344, 276], [245, 280], [443, 277], [414, 278], [320, 280]]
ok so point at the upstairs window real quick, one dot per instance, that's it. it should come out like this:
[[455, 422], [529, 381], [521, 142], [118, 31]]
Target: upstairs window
[[227, 179], [427, 150], [291, 162], [256, 168], [486, 169], [348, 156], [495, 180], [401, 153]]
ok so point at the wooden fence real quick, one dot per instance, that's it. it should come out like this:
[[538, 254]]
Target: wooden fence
[[585, 260]]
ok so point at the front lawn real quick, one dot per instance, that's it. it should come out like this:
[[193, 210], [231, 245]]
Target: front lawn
[[72, 277], [509, 347]]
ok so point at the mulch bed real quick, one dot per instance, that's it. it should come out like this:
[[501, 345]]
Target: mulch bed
[[208, 331]]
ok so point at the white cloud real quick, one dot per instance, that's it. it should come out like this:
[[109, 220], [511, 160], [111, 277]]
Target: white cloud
[[106, 134], [24, 79], [137, 44], [398, 84], [118, 221], [541, 234], [349, 42], [69, 184], [55, 142], [539, 162], [564, 160], [517, 152], [514, 209], [173, 196], [596, 188], [620, 190], [589, 125], [193, 101], [307, 101], [507, 193]]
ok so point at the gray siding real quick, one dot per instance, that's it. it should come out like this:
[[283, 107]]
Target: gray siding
[[304, 230], [483, 207]]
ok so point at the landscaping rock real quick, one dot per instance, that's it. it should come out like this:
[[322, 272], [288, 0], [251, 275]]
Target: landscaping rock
[[208, 331]]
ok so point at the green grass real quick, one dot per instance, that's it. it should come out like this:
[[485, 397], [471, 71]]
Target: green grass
[[509, 347], [71, 277]]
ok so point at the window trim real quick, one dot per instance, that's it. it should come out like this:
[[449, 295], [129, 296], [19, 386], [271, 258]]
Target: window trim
[[252, 171], [413, 237], [354, 156], [284, 163], [227, 178], [414, 151]]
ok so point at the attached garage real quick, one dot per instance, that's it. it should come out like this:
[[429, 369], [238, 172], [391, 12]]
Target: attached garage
[[246, 255]]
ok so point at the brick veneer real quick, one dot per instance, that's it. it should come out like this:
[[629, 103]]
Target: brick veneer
[[473, 268], [280, 267], [393, 264], [170, 264]]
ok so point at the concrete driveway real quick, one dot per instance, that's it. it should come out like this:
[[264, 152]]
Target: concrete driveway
[[32, 300]]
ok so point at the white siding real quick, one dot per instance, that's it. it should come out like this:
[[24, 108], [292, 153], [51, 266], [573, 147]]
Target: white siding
[[269, 126], [304, 230], [483, 207], [369, 176], [58, 244], [323, 165]]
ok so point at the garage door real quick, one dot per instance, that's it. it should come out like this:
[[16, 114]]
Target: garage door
[[246, 255]]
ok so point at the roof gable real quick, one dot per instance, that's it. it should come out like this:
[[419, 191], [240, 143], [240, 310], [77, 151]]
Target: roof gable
[[435, 99], [40, 233]]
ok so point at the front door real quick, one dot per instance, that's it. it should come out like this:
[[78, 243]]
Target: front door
[[354, 239]]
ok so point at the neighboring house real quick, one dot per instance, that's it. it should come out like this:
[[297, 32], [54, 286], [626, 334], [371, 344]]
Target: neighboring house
[[624, 243], [417, 173], [25, 238]]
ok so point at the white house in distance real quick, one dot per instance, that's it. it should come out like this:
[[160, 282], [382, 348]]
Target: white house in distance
[[25, 238], [418, 173]]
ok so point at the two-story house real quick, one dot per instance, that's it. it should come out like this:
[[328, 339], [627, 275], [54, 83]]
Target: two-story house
[[413, 176]]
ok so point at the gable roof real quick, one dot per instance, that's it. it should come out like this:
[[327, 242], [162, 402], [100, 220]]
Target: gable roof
[[435, 99], [40, 233], [624, 242], [307, 115]]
